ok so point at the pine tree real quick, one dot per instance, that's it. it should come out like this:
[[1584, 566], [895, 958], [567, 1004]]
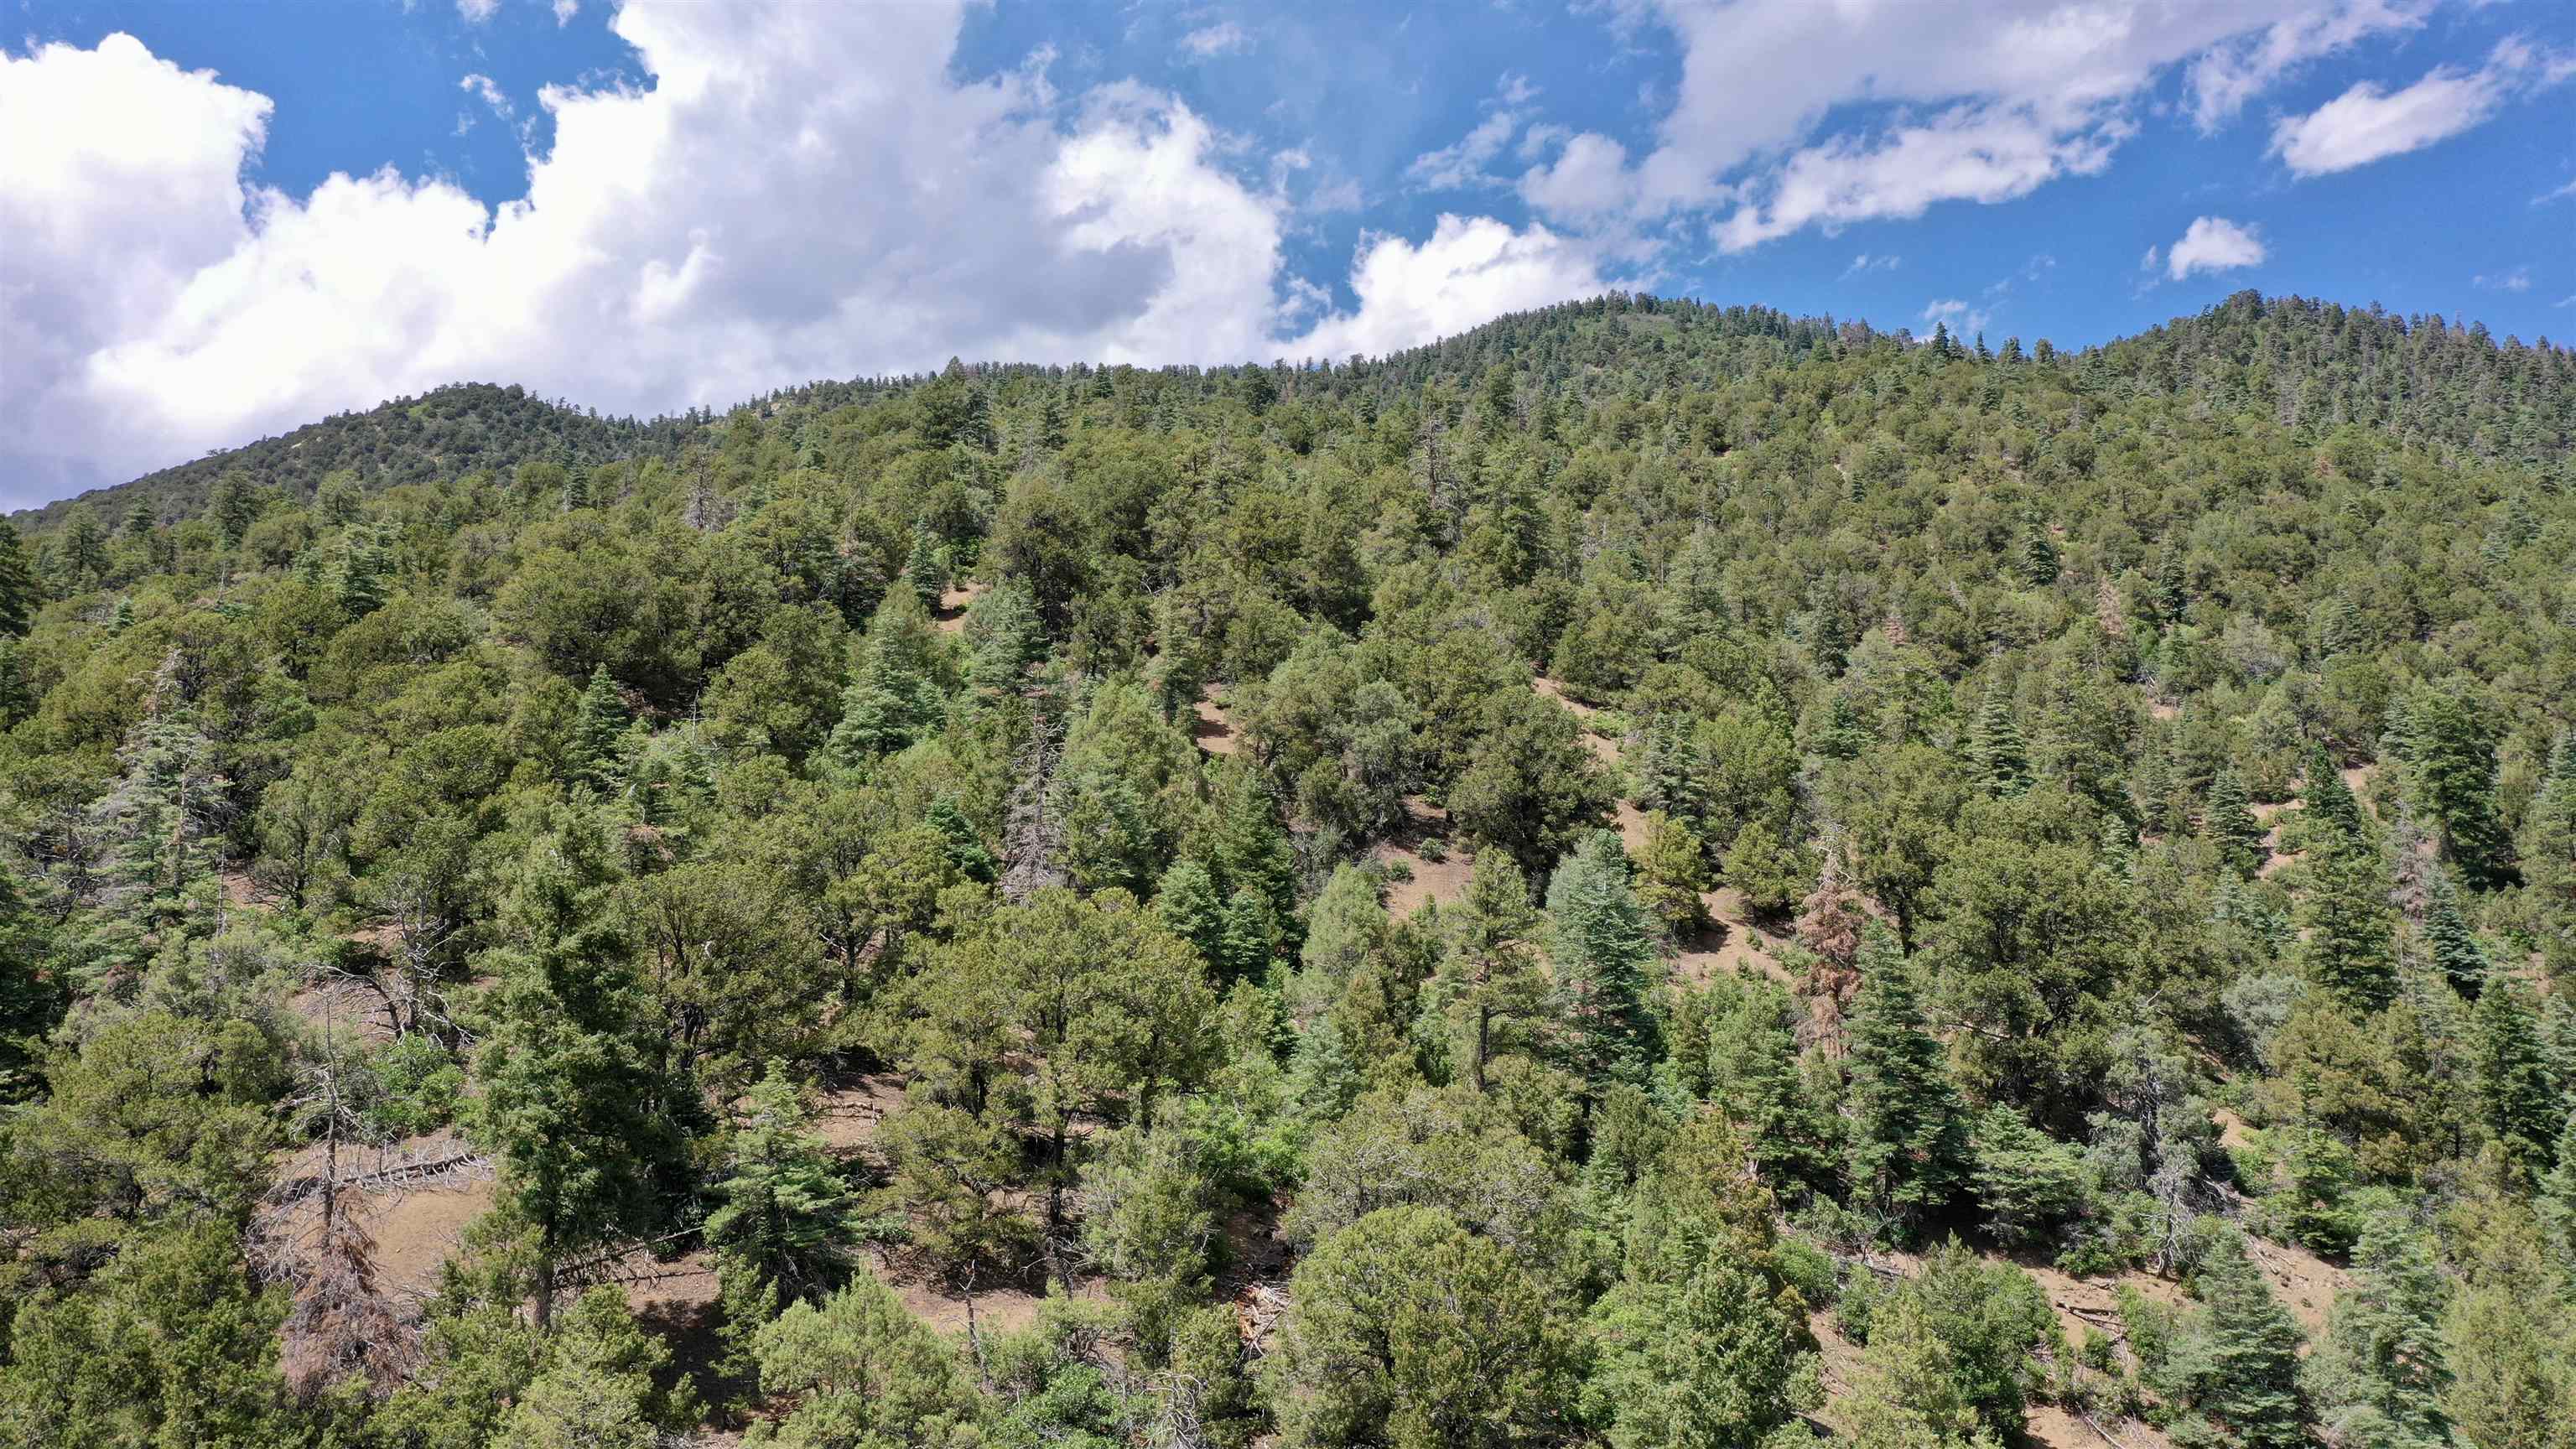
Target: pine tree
[[1489, 980], [18, 591], [361, 585], [2039, 562], [1908, 1130], [2229, 824], [2248, 1386], [569, 1094], [2173, 592], [787, 1218], [1602, 944], [597, 726], [2455, 947], [2522, 1106], [1999, 760], [2451, 758], [2327, 797], [2380, 1375], [2350, 947]]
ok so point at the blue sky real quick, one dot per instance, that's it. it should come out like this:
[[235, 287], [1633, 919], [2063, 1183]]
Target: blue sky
[[230, 219]]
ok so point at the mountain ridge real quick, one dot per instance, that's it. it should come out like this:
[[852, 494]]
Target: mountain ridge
[[461, 427]]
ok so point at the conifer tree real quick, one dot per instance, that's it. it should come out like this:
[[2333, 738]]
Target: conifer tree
[[2522, 1104], [569, 1093], [1489, 979], [1602, 944], [1908, 1130], [2173, 592], [2039, 562], [2381, 1373], [1998, 759], [2327, 797], [2451, 758], [2456, 951], [2229, 823], [18, 591], [2248, 1383], [2350, 947], [787, 1218], [597, 726]]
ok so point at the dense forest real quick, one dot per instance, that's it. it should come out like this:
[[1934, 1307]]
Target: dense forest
[[1647, 876]]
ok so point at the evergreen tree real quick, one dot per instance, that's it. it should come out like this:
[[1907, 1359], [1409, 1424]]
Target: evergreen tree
[[2245, 1380], [2456, 952], [597, 727], [2350, 947], [787, 1218], [19, 595], [235, 505], [1602, 943], [1489, 980], [2038, 552], [84, 550], [2523, 1106], [2380, 1375], [2327, 797], [862, 1371], [2229, 824], [2451, 759], [361, 585], [2172, 588], [1998, 759], [1908, 1130], [570, 1100]]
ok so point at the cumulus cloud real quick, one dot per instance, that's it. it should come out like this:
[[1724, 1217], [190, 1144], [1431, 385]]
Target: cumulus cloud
[[2517, 280], [2368, 123], [160, 304], [565, 10], [2211, 244], [1470, 269], [476, 12]]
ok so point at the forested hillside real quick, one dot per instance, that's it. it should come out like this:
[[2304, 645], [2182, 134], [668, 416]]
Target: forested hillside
[[1649, 875]]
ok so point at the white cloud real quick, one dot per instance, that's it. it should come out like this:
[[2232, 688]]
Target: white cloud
[[476, 11], [2368, 123], [2147, 263], [1867, 263], [1468, 270], [1971, 152], [2212, 244], [1963, 320], [1464, 163], [1953, 100], [1589, 178], [565, 10], [1208, 42], [2561, 194], [2517, 280], [159, 304], [482, 88], [2222, 80]]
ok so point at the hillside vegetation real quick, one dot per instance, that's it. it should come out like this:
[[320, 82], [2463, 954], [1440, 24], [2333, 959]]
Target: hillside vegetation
[[1649, 875]]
